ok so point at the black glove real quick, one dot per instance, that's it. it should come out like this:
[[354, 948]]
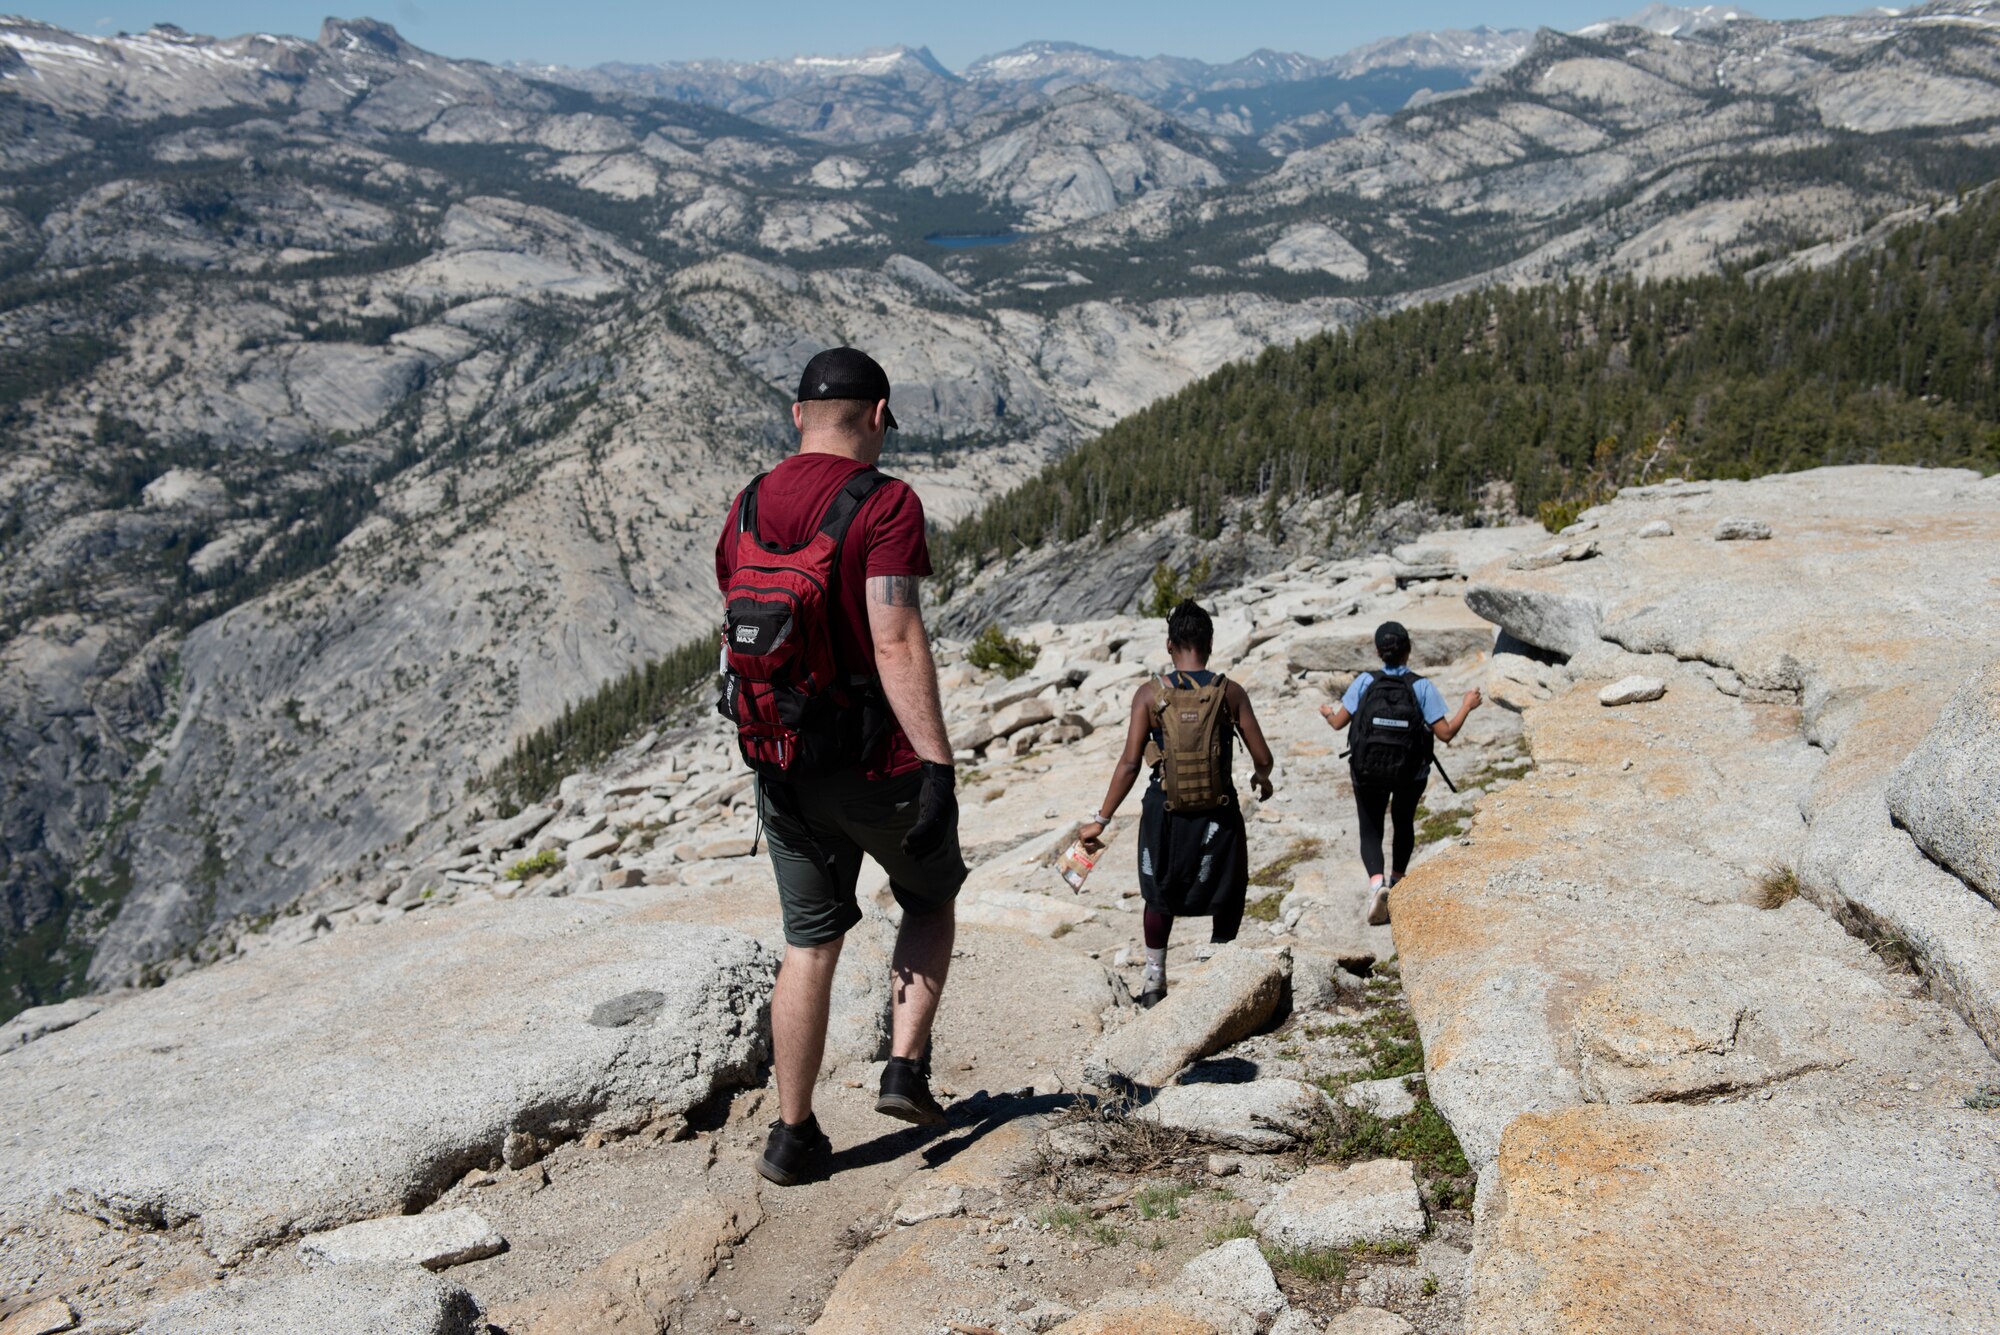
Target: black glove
[[937, 811]]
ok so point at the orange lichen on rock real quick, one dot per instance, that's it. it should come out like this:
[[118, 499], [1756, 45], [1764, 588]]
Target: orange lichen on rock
[[1147, 1319], [1720, 1220]]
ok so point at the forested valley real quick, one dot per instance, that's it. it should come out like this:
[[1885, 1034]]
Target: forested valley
[[1566, 392]]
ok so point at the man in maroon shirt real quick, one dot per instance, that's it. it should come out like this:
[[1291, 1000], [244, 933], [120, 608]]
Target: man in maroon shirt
[[897, 806]]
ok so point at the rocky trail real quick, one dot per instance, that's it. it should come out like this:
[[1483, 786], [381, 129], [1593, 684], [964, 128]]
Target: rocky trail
[[1675, 1015]]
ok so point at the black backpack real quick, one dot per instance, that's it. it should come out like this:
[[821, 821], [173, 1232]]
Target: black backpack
[[1389, 743]]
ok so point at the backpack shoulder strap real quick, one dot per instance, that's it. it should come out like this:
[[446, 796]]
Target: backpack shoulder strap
[[841, 507], [746, 507], [847, 502], [840, 513]]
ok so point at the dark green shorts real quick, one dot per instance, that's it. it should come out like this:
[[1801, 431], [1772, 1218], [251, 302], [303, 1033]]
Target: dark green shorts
[[820, 829]]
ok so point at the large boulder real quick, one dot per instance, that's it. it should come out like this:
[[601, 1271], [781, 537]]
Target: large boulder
[[41, 1021], [1633, 690], [364, 1300], [1235, 1274], [511, 833], [1441, 632], [50, 1316], [1262, 1116], [1857, 865], [433, 1241], [1003, 691], [1947, 793], [298, 1090], [1229, 998], [1325, 1208]]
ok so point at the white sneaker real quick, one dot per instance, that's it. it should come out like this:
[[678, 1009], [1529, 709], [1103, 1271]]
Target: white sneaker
[[1378, 910]]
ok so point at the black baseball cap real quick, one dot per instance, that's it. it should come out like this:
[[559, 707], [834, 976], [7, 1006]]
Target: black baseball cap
[[845, 373], [1390, 636]]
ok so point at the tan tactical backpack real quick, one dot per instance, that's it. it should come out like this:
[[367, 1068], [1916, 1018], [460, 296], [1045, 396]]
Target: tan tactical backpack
[[1193, 752]]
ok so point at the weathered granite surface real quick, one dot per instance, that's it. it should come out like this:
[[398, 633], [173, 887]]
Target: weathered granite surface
[[301, 1089], [1704, 900]]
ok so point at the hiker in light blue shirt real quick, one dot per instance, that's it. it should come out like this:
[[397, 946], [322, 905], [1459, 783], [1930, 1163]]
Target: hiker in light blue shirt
[[1427, 694], [1397, 793]]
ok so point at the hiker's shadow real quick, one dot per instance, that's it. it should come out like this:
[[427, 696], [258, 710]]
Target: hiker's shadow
[[968, 1121]]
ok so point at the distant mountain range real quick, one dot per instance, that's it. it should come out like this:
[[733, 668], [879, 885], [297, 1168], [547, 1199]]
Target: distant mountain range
[[885, 93], [901, 90]]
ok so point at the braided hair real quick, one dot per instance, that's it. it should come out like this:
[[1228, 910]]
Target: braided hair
[[1190, 627]]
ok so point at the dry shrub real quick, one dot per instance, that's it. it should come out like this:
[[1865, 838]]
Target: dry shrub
[[1121, 1143], [1777, 887]]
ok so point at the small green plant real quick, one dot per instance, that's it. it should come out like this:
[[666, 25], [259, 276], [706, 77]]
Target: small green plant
[[1161, 1200], [1986, 1098], [1061, 1218], [1230, 1230], [1557, 515], [535, 864], [1348, 1135], [997, 651], [1777, 887], [1078, 1224], [1388, 1039], [1429, 1287], [1435, 825], [1281, 873], [1504, 770], [1171, 589], [1264, 909], [1313, 1265]]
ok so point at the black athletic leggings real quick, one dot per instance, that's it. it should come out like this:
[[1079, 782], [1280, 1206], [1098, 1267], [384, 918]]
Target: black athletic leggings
[[1370, 801], [1221, 928]]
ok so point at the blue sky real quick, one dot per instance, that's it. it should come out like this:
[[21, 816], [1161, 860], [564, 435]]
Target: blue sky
[[584, 34]]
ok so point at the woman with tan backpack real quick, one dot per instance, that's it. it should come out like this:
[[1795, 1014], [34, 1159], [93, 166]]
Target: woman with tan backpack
[[1193, 858]]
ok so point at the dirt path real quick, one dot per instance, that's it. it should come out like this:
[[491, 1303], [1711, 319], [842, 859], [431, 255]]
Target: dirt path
[[996, 1038]]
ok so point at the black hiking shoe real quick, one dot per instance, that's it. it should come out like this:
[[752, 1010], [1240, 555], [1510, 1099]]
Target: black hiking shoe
[[794, 1153], [906, 1094], [1153, 995]]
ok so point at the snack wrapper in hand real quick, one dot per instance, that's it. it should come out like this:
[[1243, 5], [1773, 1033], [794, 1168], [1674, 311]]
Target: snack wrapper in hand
[[1075, 866]]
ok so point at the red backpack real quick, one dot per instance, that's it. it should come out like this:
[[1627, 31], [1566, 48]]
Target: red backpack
[[794, 711]]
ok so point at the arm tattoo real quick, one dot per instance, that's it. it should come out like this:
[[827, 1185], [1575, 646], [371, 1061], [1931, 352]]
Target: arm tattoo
[[894, 590]]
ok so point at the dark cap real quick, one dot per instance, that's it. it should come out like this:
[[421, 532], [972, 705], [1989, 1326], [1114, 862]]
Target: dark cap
[[845, 373], [1390, 636]]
